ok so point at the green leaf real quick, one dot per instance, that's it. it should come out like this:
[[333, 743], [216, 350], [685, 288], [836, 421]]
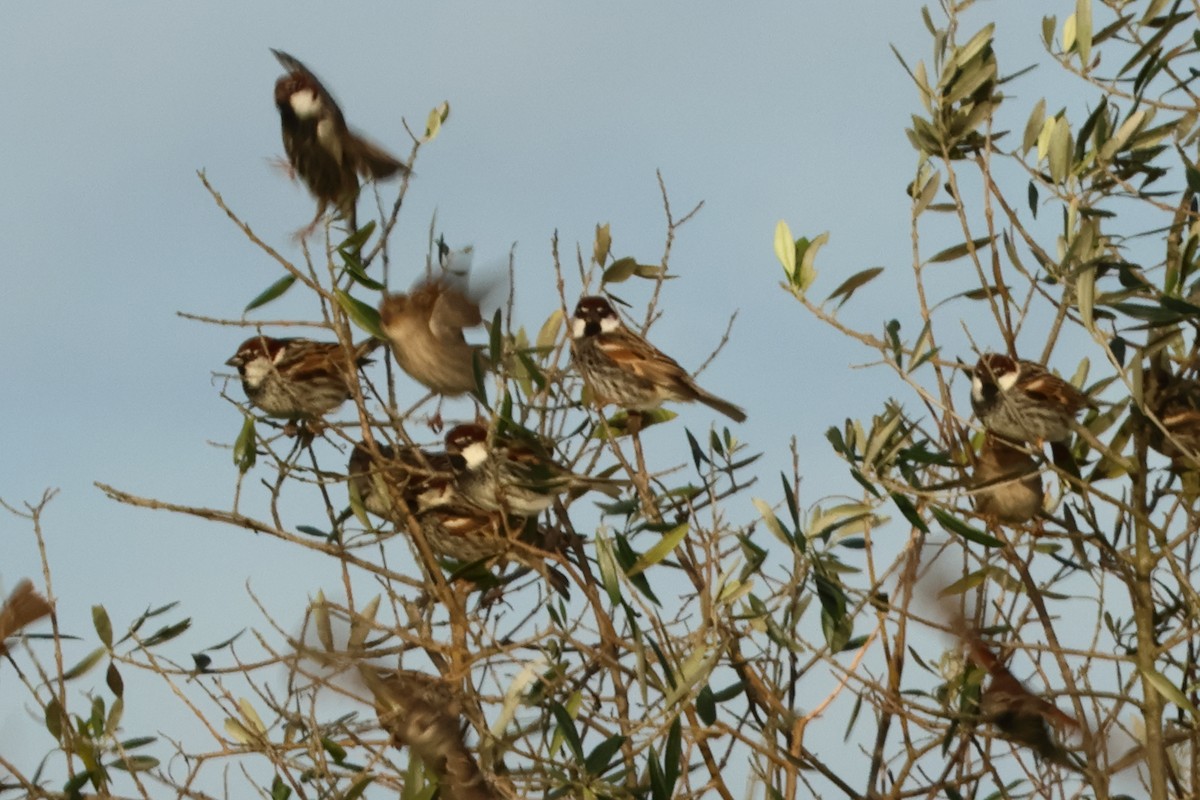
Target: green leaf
[[54, 717], [168, 632], [244, 451], [355, 241], [358, 787], [598, 761], [960, 250], [433, 123], [335, 750], [603, 243], [785, 249], [956, 526], [360, 313], [86, 663], [706, 706], [909, 511], [663, 548], [102, 625], [620, 270], [1033, 127], [566, 728], [1059, 150], [1170, 692], [853, 283], [112, 677], [136, 763], [273, 291], [548, 334], [1083, 31]]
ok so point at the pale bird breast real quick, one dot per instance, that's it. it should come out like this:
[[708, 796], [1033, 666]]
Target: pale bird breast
[[256, 371], [306, 103]]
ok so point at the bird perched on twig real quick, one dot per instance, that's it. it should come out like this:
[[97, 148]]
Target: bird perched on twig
[[1174, 400], [1006, 482], [503, 473], [299, 379], [1021, 401], [401, 475], [425, 713], [1023, 717], [624, 369], [326, 153]]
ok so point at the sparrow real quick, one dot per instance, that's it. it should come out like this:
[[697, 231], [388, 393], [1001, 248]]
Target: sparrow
[[326, 154], [513, 476], [1007, 482], [298, 379], [1022, 402], [425, 328], [1023, 717], [23, 607], [425, 713], [624, 369], [459, 530], [1175, 401], [403, 475]]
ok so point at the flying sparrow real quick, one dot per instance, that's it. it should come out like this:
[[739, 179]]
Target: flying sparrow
[[397, 483], [622, 368], [511, 475], [425, 713], [298, 379], [1007, 482], [1175, 401], [1022, 402], [23, 607], [425, 328], [1023, 717], [326, 154]]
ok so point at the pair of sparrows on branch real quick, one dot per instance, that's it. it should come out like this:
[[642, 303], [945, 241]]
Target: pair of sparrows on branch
[[478, 500], [1020, 404], [302, 379], [321, 148]]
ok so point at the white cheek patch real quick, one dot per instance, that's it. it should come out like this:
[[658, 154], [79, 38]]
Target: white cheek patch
[[256, 371], [1007, 380], [976, 388], [609, 324], [577, 327], [305, 103], [474, 454]]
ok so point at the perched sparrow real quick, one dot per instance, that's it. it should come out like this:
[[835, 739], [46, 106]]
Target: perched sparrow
[[425, 328], [326, 154], [1175, 401], [1023, 717], [513, 476], [1022, 402], [298, 378], [1007, 483], [457, 529], [425, 713], [404, 475], [622, 368]]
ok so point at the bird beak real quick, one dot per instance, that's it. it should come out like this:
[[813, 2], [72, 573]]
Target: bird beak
[[235, 361]]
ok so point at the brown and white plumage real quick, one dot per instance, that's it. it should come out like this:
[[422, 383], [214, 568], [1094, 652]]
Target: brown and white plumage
[[1019, 714], [1006, 482], [395, 483], [624, 369], [326, 153], [298, 379], [23, 607], [425, 714], [425, 328], [511, 475], [1175, 401], [1022, 401]]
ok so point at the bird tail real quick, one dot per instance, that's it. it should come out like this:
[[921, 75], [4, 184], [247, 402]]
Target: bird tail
[[723, 406]]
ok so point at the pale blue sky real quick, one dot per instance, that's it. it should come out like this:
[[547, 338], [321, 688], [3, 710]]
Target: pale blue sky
[[561, 113]]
